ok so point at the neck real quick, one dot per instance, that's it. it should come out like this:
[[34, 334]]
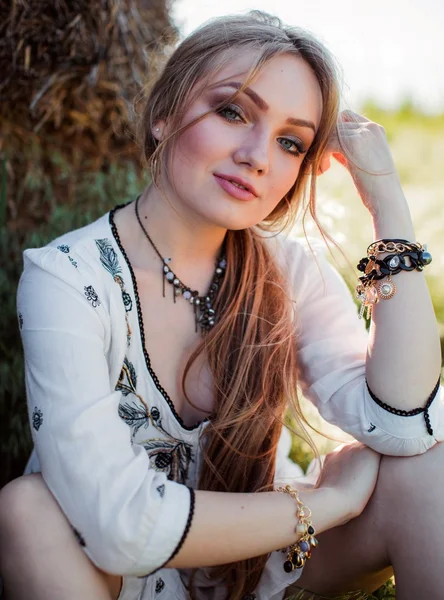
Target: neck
[[181, 236]]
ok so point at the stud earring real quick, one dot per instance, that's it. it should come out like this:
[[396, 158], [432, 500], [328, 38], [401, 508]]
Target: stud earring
[[157, 129]]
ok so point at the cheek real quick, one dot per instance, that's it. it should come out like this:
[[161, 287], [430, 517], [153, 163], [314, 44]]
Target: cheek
[[198, 145], [284, 176]]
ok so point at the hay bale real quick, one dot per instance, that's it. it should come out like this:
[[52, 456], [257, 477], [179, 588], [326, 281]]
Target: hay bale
[[69, 71]]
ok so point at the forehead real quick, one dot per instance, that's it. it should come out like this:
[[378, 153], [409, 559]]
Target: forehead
[[286, 83]]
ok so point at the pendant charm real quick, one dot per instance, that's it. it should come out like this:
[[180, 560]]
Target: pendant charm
[[369, 298], [386, 289]]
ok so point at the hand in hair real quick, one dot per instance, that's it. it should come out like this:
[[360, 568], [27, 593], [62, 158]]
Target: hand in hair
[[361, 146]]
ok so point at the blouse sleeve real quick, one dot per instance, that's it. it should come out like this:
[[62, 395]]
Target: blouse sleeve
[[332, 344], [131, 518]]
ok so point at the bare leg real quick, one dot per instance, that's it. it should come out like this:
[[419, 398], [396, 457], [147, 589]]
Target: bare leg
[[415, 528], [401, 526], [40, 557]]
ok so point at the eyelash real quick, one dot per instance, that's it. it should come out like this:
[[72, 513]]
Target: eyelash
[[234, 109]]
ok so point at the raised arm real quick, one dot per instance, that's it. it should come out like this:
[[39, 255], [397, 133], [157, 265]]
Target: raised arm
[[401, 357], [404, 356]]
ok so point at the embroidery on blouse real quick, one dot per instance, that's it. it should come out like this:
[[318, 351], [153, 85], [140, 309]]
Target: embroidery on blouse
[[171, 456], [37, 418], [160, 584], [371, 428], [20, 320], [65, 249], [91, 295], [161, 490], [167, 454], [110, 261]]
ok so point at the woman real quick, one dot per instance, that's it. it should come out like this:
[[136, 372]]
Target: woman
[[165, 341]]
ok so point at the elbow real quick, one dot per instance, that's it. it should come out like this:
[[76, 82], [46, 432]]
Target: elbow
[[117, 555], [389, 445]]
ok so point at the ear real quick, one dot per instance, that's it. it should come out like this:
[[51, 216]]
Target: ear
[[159, 130]]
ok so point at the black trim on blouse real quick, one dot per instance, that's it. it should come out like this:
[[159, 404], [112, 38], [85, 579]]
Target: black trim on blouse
[[182, 539], [141, 327], [187, 526], [409, 413]]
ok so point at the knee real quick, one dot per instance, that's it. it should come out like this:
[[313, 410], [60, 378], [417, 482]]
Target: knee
[[412, 474], [19, 502]]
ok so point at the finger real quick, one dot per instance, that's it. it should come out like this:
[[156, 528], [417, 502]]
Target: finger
[[324, 165], [340, 158], [351, 128], [350, 116], [344, 134]]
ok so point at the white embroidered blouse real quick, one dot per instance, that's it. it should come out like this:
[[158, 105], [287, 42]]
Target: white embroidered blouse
[[110, 445]]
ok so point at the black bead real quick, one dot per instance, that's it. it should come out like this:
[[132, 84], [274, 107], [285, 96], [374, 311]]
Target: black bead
[[297, 561], [311, 530], [288, 566]]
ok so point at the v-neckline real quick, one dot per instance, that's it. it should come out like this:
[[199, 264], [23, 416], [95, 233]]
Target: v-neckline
[[149, 367]]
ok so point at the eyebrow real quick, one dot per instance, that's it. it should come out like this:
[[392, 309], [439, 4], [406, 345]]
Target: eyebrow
[[260, 103]]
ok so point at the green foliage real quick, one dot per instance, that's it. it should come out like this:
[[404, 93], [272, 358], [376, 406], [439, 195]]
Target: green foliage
[[407, 115]]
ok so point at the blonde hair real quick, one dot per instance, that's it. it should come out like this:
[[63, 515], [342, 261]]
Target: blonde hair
[[252, 349]]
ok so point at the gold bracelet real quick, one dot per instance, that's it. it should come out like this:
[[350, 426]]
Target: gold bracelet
[[392, 246], [300, 552]]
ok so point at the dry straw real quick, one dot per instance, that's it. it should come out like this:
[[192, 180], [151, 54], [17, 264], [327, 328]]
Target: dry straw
[[69, 70]]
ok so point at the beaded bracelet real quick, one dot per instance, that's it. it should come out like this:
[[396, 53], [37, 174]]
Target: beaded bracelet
[[405, 256], [393, 264], [300, 552]]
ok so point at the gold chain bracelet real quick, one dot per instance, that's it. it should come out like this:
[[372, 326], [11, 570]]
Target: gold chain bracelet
[[300, 552], [381, 246]]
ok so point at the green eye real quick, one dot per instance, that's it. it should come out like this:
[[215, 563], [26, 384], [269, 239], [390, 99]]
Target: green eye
[[287, 144], [291, 146], [230, 113]]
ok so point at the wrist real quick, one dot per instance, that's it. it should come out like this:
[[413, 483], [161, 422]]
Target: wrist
[[393, 226], [329, 507], [392, 219], [384, 198]]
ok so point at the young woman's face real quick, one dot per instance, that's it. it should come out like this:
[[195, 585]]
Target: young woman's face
[[258, 142]]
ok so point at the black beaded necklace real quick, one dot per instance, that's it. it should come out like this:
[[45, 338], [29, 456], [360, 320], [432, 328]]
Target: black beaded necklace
[[204, 313]]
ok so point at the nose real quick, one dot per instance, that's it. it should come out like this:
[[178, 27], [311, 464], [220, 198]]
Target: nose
[[253, 152]]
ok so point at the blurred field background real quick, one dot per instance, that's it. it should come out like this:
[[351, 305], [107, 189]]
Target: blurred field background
[[67, 156]]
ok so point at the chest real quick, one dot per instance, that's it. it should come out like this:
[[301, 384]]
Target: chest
[[170, 338]]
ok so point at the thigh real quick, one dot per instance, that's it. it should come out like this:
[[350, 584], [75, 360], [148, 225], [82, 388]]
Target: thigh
[[353, 556]]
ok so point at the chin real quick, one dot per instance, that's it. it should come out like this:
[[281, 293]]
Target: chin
[[235, 224], [235, 218]]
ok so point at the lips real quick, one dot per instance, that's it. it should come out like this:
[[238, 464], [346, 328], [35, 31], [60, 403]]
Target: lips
[[237, 181]]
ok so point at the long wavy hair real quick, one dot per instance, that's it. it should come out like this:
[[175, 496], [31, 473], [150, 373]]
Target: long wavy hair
[[252, 349]]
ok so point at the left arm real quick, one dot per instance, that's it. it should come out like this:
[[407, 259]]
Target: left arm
[[404, 357]]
